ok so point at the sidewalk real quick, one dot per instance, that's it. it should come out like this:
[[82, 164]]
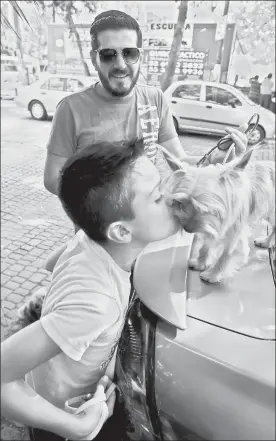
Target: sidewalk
[[34, 224]]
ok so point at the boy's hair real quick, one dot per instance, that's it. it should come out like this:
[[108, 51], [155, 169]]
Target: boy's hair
[[269, 75], [95, 186], [113, 20]]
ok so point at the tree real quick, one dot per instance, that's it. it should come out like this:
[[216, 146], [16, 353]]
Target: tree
[[176, 45], [68, 10], [255, 22], [18, 13]]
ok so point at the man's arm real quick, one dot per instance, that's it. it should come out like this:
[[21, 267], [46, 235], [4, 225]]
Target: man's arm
[[53, 166], [61, 145], [168, 137], [174, 146]]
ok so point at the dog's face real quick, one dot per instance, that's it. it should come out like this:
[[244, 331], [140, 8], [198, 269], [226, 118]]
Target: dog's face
[[206, 200]]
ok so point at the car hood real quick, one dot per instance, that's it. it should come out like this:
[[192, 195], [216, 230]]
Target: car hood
[[245, 305]]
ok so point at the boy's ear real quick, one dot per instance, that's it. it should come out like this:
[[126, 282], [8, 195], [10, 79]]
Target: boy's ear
[[119, 233]]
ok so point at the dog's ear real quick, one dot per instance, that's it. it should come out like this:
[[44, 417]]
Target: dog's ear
[[199, 207], [180, 197], [242, 163]]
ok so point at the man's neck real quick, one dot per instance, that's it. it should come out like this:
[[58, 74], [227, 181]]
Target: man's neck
[[123, 255]]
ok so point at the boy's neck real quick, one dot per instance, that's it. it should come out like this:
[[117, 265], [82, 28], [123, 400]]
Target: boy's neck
[[123, 255]]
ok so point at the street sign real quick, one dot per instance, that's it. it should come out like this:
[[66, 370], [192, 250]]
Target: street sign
[[190, 64]]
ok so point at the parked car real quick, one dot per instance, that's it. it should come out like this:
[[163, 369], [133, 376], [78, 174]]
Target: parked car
[[9, 81], [42, 97], [196, 360], [206, 107]]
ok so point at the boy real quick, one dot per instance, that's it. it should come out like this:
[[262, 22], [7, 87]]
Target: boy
[[113, 193]]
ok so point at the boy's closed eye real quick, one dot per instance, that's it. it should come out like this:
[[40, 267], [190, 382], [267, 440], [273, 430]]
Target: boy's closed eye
[[159, 198]]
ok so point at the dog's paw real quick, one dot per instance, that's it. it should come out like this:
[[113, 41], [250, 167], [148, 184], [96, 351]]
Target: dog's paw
[[209, 277], [196, 265]]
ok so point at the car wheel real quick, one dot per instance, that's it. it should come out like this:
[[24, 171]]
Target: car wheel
[[175, 124], [38, 110], [256, 136]]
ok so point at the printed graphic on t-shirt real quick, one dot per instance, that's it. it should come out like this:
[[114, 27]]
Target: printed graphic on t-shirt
[[150, 124]]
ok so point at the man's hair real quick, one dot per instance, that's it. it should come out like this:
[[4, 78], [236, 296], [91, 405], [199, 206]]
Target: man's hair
[[256, 77], [269, 75], [95, 186], [113, 20]]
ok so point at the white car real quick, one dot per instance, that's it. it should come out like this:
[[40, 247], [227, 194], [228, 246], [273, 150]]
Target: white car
[[9, 81], [42, 97], [208, 107]]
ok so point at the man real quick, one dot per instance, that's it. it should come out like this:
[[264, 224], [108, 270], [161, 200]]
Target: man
[[255, 88], [115, 108], [114, 194], [266, 91]]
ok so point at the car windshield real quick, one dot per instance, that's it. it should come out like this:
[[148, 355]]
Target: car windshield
[[241, 95]]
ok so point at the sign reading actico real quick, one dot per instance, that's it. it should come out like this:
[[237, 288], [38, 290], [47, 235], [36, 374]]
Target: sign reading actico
[[189, 64]]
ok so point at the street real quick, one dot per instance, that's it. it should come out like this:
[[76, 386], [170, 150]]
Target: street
[[33, 221]]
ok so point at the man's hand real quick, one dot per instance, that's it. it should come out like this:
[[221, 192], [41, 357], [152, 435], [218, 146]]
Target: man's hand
[[240, 140]]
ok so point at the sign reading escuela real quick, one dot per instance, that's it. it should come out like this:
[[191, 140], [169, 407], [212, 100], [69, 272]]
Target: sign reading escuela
[[189, 64]]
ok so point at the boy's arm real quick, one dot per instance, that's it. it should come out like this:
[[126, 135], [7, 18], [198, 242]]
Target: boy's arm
[[20, 354]]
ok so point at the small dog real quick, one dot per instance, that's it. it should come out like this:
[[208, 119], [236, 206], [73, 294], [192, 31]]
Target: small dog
[[30, 311], [221, 203]]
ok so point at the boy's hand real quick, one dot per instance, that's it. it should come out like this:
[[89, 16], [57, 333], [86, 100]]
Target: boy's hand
[[86, 421]]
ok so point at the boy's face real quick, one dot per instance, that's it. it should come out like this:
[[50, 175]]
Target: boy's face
[[153, 219]]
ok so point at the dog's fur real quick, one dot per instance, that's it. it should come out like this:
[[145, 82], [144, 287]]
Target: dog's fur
[[221, 203], [30, 311]]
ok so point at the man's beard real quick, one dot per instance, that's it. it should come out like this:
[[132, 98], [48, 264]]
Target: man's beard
[[106, 84]]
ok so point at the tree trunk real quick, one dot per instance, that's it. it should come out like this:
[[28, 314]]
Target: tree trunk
[[24, 70], [176, 45], [74, 30]]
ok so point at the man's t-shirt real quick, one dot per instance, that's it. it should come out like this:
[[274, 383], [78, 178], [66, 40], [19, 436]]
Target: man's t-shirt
[[267, 86], [83, 313], [87, 117]]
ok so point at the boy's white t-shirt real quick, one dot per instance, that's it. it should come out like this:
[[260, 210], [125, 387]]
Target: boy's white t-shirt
[[83, 313]]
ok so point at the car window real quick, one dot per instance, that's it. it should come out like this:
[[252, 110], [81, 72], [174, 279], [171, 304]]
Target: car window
[[188, 91], [56, 84], [216, 95], [10, 68], [44, 85], [73, 85]]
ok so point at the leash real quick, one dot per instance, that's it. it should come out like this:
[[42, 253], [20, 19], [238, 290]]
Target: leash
[[226, 143]]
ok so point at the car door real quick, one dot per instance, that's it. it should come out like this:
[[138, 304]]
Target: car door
[[53, 93], [73, 85], [221, 109], [186, 105]]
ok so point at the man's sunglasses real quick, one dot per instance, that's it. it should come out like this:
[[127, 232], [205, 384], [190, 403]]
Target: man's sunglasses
[[130, 55]]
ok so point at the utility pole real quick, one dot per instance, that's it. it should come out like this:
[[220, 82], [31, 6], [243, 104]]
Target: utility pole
[[220, 51]]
